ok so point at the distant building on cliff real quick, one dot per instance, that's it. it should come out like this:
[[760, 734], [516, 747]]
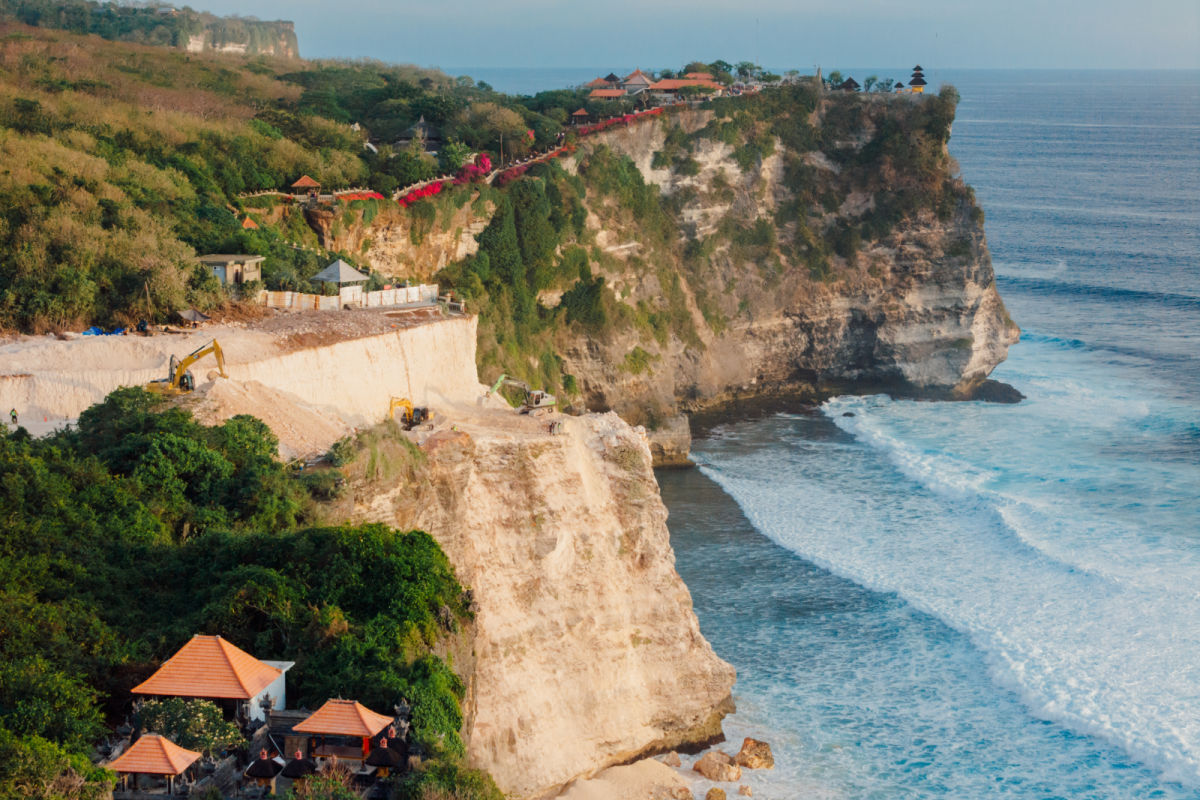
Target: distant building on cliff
[[917, 83], [234, 268]]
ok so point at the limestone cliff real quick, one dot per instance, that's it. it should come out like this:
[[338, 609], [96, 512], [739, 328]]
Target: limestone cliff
[[587, 651], [798, 268], [251, 37]]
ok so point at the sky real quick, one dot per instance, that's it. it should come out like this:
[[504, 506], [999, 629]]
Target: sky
[[780, 34]]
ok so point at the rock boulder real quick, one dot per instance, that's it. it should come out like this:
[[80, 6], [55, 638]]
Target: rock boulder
[[754, 755], [718, 766]]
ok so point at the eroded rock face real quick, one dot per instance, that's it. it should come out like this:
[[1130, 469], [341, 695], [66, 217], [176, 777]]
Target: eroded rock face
[[914, 311], [587, 650], [671, 442]]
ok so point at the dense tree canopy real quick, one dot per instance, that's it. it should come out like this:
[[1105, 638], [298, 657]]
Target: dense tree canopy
[[140, 528]]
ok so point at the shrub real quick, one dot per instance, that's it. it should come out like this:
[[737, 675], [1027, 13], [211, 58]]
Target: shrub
[[191, 724]]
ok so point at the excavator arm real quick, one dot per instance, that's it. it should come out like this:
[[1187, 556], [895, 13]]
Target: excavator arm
[[191, 358], [402, 403], [179, 379], [532, 400]]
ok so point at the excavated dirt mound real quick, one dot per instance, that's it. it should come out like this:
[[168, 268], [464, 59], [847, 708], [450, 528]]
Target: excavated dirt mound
[[303, 431]]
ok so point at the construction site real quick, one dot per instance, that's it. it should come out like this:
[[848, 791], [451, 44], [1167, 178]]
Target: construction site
[[312, 377]]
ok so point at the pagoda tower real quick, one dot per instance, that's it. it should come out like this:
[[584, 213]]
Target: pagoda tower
[[916, 84]]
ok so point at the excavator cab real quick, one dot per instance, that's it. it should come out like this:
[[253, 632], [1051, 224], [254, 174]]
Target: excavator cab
[[533, 401], [179, 377], [410, 416]]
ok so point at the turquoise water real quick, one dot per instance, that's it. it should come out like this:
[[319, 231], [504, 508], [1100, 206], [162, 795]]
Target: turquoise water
[[972, 600]]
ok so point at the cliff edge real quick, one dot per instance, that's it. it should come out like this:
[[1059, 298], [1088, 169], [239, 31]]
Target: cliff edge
[[587, 652]]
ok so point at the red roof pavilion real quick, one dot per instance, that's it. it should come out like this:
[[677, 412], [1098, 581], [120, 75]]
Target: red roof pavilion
[[209, 666], [343, 718], [154, 755]]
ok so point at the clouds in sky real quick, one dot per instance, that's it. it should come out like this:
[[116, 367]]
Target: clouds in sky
[[1122, 34]]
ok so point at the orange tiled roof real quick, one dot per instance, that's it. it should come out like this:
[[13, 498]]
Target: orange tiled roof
[[580, 113], [249, 224], [606, 94], [673, 84], [598, 82], [699, 76], [209, 666], [638, 73], [306, 182], [344, 718], [154, 755]]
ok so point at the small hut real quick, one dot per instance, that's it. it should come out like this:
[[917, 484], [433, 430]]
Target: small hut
[[249, 224], [899, 87], [849, 85], [308, 186], [345, 728], [154, 755], [233, 268], [580, 117], [917, 83]]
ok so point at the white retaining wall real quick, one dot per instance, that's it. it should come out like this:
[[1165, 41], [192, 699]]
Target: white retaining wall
[[352, 296]]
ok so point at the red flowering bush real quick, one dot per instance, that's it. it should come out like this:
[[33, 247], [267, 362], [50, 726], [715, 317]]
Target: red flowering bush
[[429, 190]]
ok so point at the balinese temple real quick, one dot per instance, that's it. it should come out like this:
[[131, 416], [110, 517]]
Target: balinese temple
[[849, 85], [211, 668], [899, 87], [917, 83], [153, 755], [342, 728]]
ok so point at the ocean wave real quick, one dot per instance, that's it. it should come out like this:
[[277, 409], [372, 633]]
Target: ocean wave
[[1096, 635], [1046, 285]]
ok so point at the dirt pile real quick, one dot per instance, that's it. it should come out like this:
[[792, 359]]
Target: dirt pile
[[303, 430]]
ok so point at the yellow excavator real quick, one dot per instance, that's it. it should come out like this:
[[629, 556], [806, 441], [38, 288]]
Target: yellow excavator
[[410, 416], [179, 377], [533, 401]]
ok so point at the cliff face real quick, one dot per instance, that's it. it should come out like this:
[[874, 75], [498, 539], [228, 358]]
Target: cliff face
[[249, 37], [587, 651], [398, 243], [914, 309]]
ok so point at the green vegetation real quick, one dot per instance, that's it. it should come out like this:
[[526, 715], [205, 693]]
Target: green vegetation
[[530, 245], [125, 537], [112, 183], [193, 724]]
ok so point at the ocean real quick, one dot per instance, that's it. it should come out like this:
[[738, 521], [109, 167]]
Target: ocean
[[970, 600]]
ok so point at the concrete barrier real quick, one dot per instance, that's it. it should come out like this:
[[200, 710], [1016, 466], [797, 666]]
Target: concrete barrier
[[354, 297]]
